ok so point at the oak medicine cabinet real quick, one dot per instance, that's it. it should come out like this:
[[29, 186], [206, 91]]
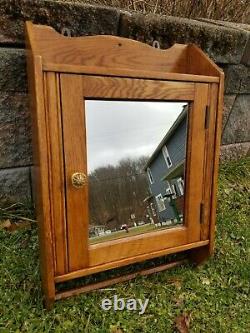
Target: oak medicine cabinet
[[126, 147]]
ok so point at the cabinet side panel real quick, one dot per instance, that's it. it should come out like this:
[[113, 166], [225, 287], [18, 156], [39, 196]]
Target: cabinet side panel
[[41, 177], [209, 159], [195, 168], [216, 161]]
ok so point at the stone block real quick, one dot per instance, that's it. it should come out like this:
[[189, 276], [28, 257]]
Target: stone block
[[15, 185], [222, 44], [233, 25], [15, 131], [81, 19], [237, 79], [228, 104], [237, 128], [234, 151], [12, 70], [246, 55]]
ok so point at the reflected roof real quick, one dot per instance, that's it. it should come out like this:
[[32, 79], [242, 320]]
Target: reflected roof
[[168, 135]]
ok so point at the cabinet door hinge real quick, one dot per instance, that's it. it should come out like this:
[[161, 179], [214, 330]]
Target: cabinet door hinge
[[202, 212], [207, 115]]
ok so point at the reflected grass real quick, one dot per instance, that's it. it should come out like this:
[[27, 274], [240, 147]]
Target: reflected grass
[[142, 229]]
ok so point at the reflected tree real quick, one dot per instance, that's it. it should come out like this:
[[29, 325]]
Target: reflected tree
[[117, 193]]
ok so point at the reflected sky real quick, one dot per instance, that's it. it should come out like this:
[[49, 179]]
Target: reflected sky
[[126, 129]]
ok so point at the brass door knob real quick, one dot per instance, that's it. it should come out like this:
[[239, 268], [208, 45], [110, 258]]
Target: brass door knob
[[78, 179]]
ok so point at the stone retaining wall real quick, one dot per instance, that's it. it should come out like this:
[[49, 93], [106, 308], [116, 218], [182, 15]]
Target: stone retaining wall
[[227, 43]]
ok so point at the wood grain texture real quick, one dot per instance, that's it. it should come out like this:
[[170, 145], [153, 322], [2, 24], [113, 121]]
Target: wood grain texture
[[123, 278], [105, 51], [47, 133], [135, 245], [199, 63], [121, 57], [41, 176], [56, 171], [218, 129], [209, 154], [132, 73], [195, 162], [128, 261], [74, 139], [127, 88]]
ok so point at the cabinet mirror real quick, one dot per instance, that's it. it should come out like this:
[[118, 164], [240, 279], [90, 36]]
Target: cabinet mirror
[[136, 154]]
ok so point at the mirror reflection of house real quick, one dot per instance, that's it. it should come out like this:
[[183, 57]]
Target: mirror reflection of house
[[165, 171], [119, 194], [96, 230]]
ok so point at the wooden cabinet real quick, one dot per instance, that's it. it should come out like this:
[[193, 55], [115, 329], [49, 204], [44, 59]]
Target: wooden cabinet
[[64, 75]]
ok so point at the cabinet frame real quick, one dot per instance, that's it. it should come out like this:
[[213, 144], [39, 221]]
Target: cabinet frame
[[62, 73]]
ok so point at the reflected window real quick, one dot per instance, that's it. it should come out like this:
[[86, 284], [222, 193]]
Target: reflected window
[[168, 188], [173, 191], [150, 176], [180, 183], [166, 156], [160, 202]]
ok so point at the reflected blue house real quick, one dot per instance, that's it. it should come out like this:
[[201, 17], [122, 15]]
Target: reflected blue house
[[165, 172]]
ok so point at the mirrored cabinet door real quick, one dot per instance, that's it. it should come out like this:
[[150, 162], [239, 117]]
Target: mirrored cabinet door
[[141, 166], [136, 153]]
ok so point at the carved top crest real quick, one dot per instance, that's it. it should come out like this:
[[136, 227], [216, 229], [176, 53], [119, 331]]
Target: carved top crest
[[114, 54]]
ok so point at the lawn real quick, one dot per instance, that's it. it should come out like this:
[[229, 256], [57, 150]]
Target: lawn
[[211, 298]]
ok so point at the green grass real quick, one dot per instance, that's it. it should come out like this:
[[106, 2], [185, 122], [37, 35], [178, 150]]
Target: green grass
[[215, 294]]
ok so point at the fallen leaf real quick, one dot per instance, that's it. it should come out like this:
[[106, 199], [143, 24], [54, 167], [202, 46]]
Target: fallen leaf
[[227, 190], [115, 329], [179, 301], [177, 282], [205, 281], [6, 224], [182, 322], [13, 226]]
